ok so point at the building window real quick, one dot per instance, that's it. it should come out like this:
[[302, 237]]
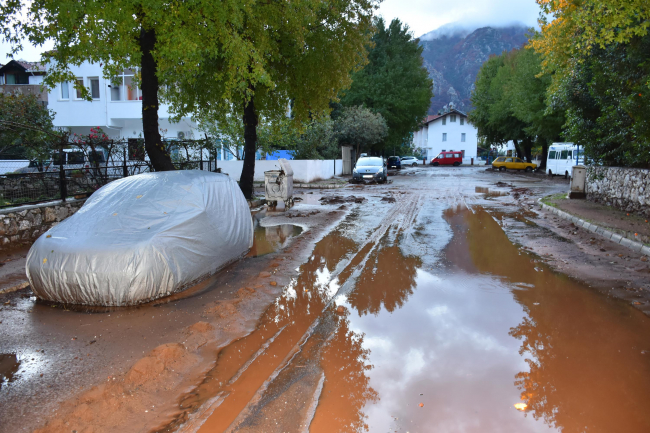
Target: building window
[[79, 85], [462, 120], [444, 136], [17, 78], [94, 87], [136, 149], [65, 90], [453, 118], [462, 137], [444, 120], [123, 87]]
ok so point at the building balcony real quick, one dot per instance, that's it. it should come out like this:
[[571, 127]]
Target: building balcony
[[25, 89]]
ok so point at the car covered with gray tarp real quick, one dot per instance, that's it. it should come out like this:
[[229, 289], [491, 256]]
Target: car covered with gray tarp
[[142, 237]]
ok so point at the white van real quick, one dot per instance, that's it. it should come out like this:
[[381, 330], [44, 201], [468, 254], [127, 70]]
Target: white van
[[563, 156]]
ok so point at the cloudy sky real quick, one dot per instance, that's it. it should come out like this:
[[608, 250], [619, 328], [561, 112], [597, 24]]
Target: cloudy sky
[[422, 16]]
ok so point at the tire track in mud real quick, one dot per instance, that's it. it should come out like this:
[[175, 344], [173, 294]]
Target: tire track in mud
[[223, 401]]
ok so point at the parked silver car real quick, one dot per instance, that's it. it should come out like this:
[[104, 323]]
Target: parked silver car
[[369, 169], [409, 161]]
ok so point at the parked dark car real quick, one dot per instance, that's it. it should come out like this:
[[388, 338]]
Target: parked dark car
[[394, 162], [369, 169]]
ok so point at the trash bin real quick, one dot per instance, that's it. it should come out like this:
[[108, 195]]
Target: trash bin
[[578, 179], [278, 184]]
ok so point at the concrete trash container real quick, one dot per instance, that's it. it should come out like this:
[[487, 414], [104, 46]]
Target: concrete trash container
[[278, 184], [578, 180]]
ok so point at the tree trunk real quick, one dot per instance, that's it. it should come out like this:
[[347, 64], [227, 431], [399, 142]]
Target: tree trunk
[[527, 145], [544, 154], [158, 155], [250, 146], [517, 149]]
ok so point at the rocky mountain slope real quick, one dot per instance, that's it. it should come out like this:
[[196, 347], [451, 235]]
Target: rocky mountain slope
[[454, 58]]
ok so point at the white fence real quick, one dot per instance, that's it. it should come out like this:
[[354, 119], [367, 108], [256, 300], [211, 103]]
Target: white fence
[[304, 170]]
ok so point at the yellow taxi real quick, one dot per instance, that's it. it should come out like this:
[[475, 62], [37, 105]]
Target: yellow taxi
[[504, 163]]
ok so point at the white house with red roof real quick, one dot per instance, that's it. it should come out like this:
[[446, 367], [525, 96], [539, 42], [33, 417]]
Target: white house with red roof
[[447, 131]]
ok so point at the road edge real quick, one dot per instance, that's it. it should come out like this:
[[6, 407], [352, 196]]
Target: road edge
[[614, 237]]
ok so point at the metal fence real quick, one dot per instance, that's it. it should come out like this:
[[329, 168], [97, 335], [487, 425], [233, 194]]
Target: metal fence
[[60, 183]]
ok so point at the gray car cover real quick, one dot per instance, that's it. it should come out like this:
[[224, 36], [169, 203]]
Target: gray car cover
[[141, 238]]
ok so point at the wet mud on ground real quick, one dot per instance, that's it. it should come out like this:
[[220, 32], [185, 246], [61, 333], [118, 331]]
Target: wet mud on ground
[[443, 300], [64, 351]]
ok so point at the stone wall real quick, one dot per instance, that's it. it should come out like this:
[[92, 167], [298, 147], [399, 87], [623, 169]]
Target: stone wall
[[627, 189], [26, 223]]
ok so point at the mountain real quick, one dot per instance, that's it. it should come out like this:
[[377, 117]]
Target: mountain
[[453, 57]]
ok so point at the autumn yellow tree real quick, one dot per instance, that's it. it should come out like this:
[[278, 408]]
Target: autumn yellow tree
[[572, 28]]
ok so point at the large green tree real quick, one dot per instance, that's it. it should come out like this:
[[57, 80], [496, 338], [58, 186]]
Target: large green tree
[[26, 128], [164, 39], [510, 100], [360, 127], [493, 112], [394, 83], [298, 56]]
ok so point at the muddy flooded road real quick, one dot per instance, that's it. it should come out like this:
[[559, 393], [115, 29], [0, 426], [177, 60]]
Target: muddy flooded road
[[417, 309], [430, 319]]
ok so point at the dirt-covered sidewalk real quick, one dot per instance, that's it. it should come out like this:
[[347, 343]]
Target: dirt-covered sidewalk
[[635, 227]]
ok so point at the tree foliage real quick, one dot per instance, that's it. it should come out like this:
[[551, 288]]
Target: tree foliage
[[576, 27], [394, 83], [608, 103], [510, 103], [26, 127], [597, 54], [165, 39], [360, 127], [298, 55]]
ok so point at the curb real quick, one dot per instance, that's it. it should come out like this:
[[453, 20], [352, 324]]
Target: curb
[[614, 237]]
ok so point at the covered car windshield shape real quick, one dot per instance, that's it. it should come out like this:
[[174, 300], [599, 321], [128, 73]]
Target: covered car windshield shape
[[370, 162]]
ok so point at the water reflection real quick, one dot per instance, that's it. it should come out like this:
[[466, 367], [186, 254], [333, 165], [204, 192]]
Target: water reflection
[[347, 388], [9, 365], [243, 366], [270, 239], [587, 371], [387, 279]]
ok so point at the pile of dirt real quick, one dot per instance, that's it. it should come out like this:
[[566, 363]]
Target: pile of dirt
[[517, 192], [303, 214], [337, 199], [388, 199], [117, 402]]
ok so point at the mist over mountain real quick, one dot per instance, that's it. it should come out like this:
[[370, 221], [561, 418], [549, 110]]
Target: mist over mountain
[[453, 55]]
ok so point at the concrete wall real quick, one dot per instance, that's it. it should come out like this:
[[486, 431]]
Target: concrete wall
[[27, 223], [627, 189], [308, 170]]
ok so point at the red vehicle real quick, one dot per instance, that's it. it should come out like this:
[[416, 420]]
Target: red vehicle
[[448, 158]]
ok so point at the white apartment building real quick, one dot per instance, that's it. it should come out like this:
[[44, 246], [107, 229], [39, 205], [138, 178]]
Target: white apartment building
[[449, 131], [116, 107]]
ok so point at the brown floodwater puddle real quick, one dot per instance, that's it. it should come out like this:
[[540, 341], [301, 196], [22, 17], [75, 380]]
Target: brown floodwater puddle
[[493, 341], [9, 365], [269, 239], [499, 342], [243, 366]]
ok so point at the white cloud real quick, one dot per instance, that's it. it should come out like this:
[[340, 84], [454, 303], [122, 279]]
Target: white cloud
[[423, 16]]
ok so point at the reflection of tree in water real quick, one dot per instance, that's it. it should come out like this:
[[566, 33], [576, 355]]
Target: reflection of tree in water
[[269, 239], [587, 372], [388, 278], [347, 387]]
